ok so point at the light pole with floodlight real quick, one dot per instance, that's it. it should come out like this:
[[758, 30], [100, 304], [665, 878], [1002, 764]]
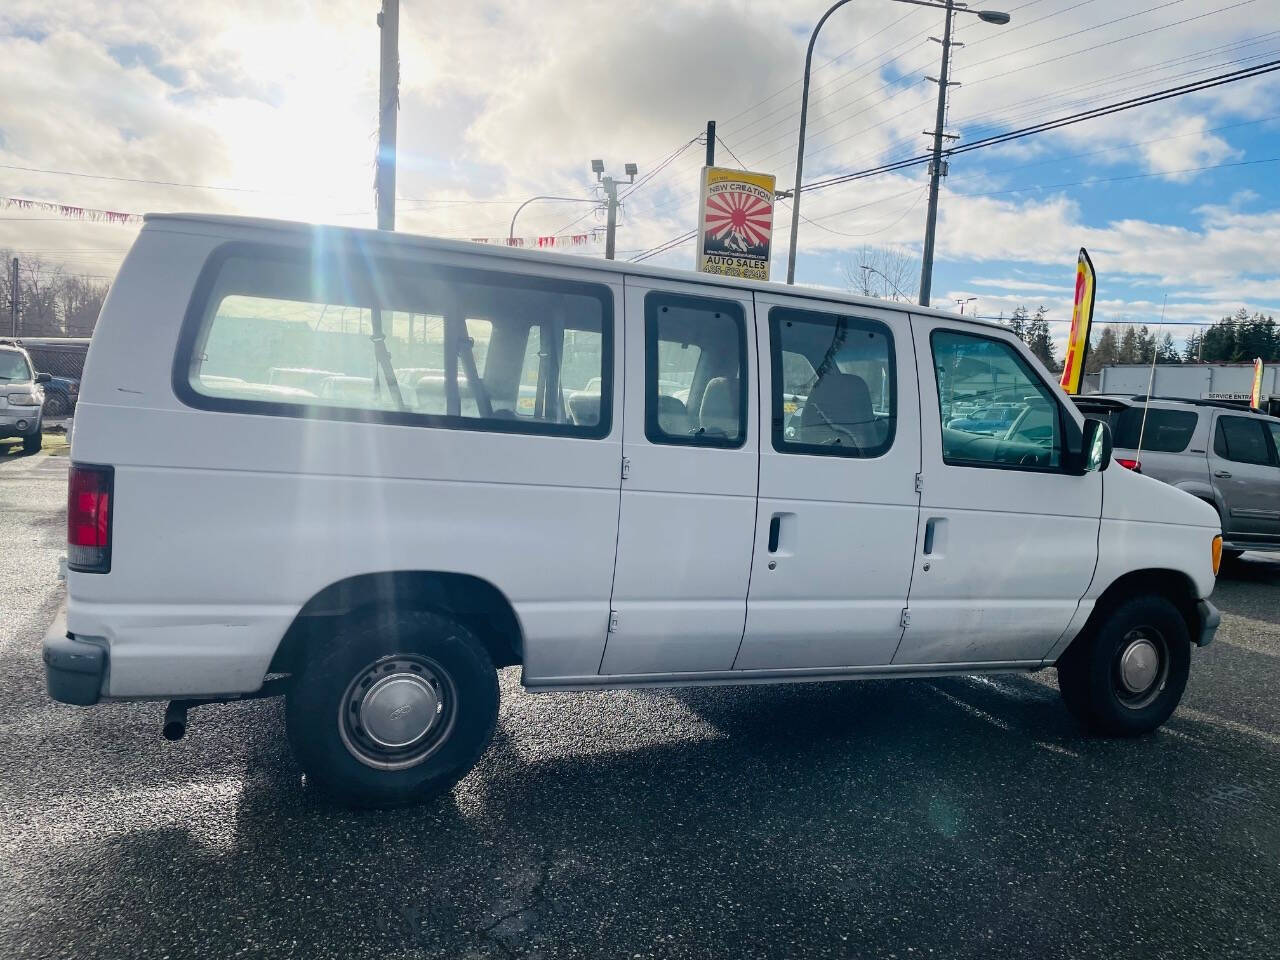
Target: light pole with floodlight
[[951, 7]]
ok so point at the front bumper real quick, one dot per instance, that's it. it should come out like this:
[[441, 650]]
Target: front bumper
[[19, 421], [75, 670], [1209, 618]]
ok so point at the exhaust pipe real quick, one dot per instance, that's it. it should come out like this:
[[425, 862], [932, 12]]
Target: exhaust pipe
[[175, 714], [175, 719]]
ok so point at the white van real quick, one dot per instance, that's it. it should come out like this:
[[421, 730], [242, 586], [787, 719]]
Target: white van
[[609, 490]]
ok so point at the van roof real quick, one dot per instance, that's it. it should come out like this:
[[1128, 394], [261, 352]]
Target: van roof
[[207, 220]]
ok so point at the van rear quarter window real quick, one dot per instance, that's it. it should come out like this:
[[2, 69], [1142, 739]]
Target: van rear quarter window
[[464, 349]]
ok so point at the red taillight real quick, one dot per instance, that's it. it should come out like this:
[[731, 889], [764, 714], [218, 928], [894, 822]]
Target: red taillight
[[1134, 465], [89, 518]]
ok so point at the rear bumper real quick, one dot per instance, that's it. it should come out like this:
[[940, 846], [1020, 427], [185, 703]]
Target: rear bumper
[[75, 670], [1209, 618]]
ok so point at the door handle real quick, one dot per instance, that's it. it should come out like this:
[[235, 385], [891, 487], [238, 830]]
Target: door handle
[[1224, 474], [775, 527], [928, 537]]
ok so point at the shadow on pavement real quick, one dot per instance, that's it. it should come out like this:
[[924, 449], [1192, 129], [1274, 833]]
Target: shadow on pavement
[[869, 818]]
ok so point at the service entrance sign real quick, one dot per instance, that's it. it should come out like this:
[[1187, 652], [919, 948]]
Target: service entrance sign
[[735, 223]]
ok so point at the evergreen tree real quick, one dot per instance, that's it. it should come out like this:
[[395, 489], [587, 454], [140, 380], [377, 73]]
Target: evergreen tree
[[1018, 323], [1040, 341], [1130, 350], [1146, 344], [1192, 352], [1219, 344], [1105, 352], [1166, 352]]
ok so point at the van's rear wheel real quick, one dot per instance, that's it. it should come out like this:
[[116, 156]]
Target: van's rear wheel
[[1128, 677], [396, 710]]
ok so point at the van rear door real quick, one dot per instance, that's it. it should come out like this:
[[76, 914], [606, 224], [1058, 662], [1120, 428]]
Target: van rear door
[[691, 454]]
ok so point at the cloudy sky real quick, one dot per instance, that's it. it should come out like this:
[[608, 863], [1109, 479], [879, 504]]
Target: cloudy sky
[[269, 109]]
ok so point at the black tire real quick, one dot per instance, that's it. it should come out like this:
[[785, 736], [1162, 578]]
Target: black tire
[[1092, 678], [421, 651], [32, 443], [55, 405]]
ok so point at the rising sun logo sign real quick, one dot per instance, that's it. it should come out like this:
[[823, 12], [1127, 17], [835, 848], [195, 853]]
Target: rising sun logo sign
[[735, 223]]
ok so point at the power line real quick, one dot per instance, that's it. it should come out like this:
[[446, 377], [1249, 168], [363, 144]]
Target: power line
[[1157, 96], [1048, 125], [1120, 179], [1132, 36]]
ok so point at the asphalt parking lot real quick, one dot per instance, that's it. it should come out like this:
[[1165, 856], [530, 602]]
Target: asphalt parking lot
[[962, 817]]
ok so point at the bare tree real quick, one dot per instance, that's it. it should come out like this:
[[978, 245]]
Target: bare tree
[[51, 302], [41, 282], [80, 302], [887, 273]]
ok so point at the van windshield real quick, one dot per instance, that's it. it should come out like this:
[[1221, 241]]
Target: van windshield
[[14, 366]]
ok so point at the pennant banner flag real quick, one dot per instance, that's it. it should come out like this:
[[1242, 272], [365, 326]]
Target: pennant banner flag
[[1255, 395], [548, 242], [553, 241], [71, 212], [1081, 321]]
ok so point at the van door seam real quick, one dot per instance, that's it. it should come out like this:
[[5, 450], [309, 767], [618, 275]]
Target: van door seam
[[620, 414], [915, 542], [755, 528]]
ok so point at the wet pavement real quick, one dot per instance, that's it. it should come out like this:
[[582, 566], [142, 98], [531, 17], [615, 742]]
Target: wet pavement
[[963, 817]]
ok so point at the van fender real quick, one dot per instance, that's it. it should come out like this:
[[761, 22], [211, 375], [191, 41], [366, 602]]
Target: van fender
[[1207, 492]]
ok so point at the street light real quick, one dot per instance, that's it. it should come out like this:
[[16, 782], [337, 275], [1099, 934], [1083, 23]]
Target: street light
[[951, 6], [511, 234]]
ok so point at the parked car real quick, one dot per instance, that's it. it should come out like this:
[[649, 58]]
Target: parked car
[[21, 397], [1225, 454], [988, 421], [376, 565], [60, 396]]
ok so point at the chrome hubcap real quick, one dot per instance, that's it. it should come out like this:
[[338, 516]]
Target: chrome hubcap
[[1139, 665], [399, 709], [1141, 668], [397, 712]]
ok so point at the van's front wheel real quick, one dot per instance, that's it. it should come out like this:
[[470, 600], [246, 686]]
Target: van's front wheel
[[1128, 677], [395, 710]]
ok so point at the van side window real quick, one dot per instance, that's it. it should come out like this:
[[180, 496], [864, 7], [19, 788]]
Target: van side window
[[1241, 439], [995, 411], [466, 349], [695, 371], [834, 389]]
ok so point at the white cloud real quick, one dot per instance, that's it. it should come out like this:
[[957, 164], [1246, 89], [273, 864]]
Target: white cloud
[[507, 99]]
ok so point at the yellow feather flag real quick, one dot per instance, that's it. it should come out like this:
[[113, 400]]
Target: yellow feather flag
[[1081, 321]]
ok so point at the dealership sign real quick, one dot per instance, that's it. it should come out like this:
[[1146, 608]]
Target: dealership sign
[[735, 223], [1248, 398]]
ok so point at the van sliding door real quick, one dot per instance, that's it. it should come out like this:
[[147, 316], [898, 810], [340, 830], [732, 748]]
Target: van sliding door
[[691, 453]]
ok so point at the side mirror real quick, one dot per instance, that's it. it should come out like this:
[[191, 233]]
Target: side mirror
[[43, 378], [1097, 446]]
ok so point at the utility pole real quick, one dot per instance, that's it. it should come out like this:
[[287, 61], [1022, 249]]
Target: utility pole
[[711, 143], [610, 187], [937, 167], [13, 298], [388, 104], [611, 225]]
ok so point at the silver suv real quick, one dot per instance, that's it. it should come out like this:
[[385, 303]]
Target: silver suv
[[21, 397], [1226, 455]]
